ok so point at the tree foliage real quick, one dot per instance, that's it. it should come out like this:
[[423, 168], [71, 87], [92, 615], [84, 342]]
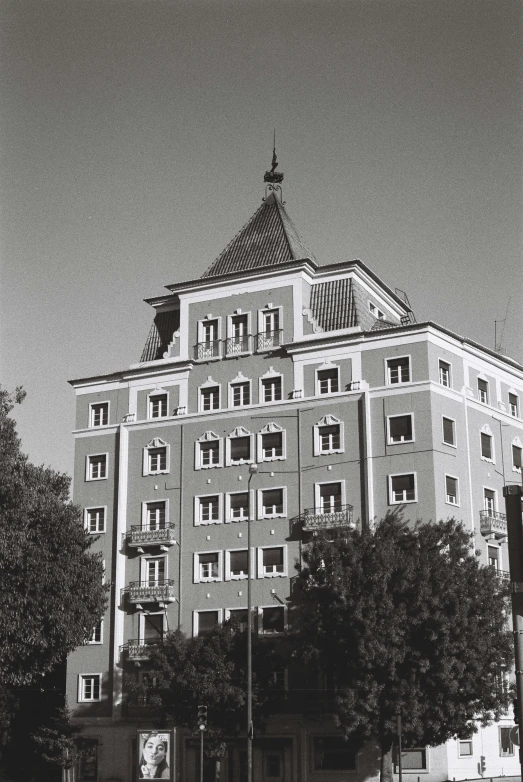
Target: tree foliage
[[406, 621]]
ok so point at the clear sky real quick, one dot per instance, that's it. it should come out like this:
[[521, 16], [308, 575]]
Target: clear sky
[[135, 133]]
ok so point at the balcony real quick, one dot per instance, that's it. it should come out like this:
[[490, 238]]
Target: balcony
[[141, 536], [204, 351], [235, 346], [314, 519], [269, 340], [138, 650], [161, 591], [493, 524]]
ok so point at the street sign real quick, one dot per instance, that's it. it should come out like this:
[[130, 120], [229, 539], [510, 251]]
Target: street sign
[[514, 735]]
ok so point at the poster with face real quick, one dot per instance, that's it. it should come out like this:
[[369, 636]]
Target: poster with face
[[154, 755]]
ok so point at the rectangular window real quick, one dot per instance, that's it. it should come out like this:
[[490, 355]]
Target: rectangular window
[[208, 566], [400, 428], [209, 509], [411, 759], [209, 453], [100, 414], [89, 687], [239, 341], [157, 460], [88, 761], [513, 403], [272, 389], [97, 467], [271, 321], [272, 560], [465, 748], [516, 458], [328, 381], [155, 515], [239, 506], [444, 374], [506, 747], [241, 394], [486, 446], [210, 398], [96, 633], [493, 557], [483, 391], [207, 621], [238, 563], [333, 753], [158, 406], [489, 498], [272, 445], [272, 619], [402, 488], [330, 498], [329, 437], [238, 618], [95, 520], [451, 490], [449, 434], [272, 502], [398, 370], [240, 449], [154, 570]]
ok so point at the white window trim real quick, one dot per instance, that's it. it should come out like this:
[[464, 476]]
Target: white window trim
[[209, 384], [237, 381], [100, 642], [86, 518], [513, 392], [91, 414], [197, 499], [400, 415], [387, 375], [493, 544], [487, 430], [228, 517], [261, 514], [157, 442], [261, 574], [240, 431], [272, 428], [207, 437], [511, 754], [269, 308], [230, 332], [485, 380], [465, 741], [81, 677], [141, 623], [495, 493], [227, 611], [196, 567], [326, 367], [458, 502], [317, 487], [398, 475], [270, 375], [150, 398], [516, 442], [196, 614], [375, 311], [227, 574], [421, 770], [455, 443], [260, 618], [201, 323], [154, 502], [328, 420], [447, 362], [149, 558], [88, 465]]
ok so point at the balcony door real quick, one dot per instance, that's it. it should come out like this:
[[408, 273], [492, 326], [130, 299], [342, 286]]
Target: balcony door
[[330, 498], [154, 570], [490, 501], [151, 631]]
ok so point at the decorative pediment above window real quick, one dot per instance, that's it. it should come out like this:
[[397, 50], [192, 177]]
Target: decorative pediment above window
[[486, 429], [271, 373], [517, 442], [157, 442], [207, 436], [328, 420], [209, 382], [271, 428], [327, 365], [240, 431], [240, 376]]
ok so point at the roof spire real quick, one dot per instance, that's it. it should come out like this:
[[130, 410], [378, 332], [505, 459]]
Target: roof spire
[[273, 177]]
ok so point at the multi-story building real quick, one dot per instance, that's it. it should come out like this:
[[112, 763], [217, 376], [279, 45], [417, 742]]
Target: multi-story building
[[319, 375]]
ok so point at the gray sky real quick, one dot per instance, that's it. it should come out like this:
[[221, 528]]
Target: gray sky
[[134, 137]]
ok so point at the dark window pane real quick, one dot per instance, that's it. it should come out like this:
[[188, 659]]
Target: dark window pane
[[400, 427], [207, 621], [238, 561], [273, 556], [273, 620], [332, 753], [240, 448], [448, 431]]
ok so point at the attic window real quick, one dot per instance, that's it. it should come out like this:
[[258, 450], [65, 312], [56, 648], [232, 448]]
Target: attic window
[[375, 311]]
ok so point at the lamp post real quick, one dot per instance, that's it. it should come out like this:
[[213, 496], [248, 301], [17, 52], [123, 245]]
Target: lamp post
[[253, 469]]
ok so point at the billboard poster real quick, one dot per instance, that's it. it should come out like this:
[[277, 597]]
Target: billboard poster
[[154, 754]]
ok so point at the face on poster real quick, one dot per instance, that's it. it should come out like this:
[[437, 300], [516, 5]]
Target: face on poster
[[153, 755]]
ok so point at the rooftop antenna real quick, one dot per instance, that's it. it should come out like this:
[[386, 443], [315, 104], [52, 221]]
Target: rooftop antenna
[[273, 178], [498, 344]]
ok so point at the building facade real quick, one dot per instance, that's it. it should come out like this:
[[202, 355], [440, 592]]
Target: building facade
[[319, 375]]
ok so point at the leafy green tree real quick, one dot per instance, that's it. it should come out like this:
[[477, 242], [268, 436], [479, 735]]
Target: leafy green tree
[[406, 621]]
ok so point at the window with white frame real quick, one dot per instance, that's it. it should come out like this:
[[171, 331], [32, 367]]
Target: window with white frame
[[236, 564], [271, 620], [375, 311], [96, 633], [207, 566], [506, 747], [465, 747], [487, 451], [156, 457], [398, 370], [155, 515], [272, 561], [493, 557], [489, 501], [444, 373], [208, 509], [99, 414], [271, 443], [272, 388], [483, 394], [239, 447], [513, 403], [402, 488], [95, 520], [240, 393], [272, 503], [449, 431], [328, 380], [517, 452], [237, 506], [158, 405], [154, 570], [97, 467], [239, 338], [208, 338], [89, 687], [238, 618], [328, 435], [208, 451], [329, 497], [206, 621], [411, 759], [269, 328], [209, 397], [451, 490], [400, 428]]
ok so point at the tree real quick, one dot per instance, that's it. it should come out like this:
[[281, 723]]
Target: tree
[[408, 622], [52, 590]]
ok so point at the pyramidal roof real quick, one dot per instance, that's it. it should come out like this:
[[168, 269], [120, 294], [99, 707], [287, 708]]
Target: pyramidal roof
[[267, 239]]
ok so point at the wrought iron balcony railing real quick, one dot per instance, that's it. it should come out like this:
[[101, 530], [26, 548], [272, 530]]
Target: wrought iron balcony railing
[[237, 345], [160, 591], [148, 535], [269, 340], [339, 516], [493, 524], [204, 351], [138, 649]]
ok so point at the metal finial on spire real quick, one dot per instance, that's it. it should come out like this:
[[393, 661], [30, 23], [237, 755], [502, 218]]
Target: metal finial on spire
[[273, 177]]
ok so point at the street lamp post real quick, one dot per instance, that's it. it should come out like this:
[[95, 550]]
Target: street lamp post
[[253, 469]]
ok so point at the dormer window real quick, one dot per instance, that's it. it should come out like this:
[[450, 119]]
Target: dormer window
[[375, 311]]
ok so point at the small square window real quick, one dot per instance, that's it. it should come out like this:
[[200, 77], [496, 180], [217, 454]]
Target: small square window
[[238, 563], [272, 445], [451, 490], [97, 467], [328, 382], [238, 618], [209, 566], [483, 391], [516, 458], [241, 394], [158, 406], [375, 311], [95, 520], [513, 403], [210, 398], [506, 747], [449, 434], [100, 414], [209, 509], [238, 506], [486, 446], [272, 561], [240, 449], [207, 621], [444, 373], [329, 437], [402, 488], [400, 428], [209, 453], [465, 748], [272, 502], [271, 389], [272, 620], [398, 370], [157, 460], [89, 687]]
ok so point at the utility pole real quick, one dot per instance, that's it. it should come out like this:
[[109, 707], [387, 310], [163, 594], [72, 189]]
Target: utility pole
[[253, 469], [202, 726], [400, 761], [513, 495]]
